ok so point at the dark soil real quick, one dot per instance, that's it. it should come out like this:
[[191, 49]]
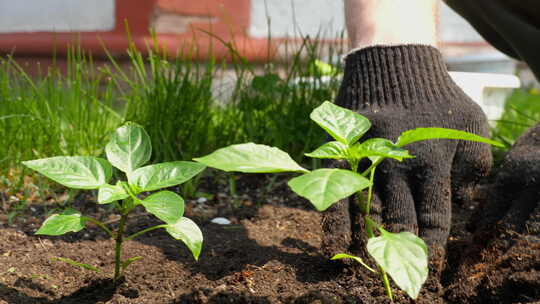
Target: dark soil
[[269, 254]]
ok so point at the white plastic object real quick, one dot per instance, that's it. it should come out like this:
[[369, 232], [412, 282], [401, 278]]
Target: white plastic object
[[221, 221], [488, 90]]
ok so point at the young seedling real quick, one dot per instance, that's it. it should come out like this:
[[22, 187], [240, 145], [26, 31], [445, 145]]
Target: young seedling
[[403, 256], [128, 150]]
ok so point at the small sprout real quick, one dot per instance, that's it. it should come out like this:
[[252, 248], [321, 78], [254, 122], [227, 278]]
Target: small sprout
[[128, 150]]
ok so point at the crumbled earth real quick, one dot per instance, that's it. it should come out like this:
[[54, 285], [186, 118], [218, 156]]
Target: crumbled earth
[[269, 254]]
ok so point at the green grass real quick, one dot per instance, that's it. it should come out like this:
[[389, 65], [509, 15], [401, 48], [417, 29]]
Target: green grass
[[73, 112], [173, 100], [522, 111], [269, 108], [54, 113]]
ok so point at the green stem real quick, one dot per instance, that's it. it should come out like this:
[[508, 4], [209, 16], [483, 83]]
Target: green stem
[[370, 191], [373, 166], [386, 282], [369, 225], [129, 204], [118, 206], [118, 248], [99, 224], [136, 234], [354, 165]]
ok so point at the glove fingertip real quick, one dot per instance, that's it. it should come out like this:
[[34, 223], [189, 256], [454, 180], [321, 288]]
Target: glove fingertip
[[336, 227]]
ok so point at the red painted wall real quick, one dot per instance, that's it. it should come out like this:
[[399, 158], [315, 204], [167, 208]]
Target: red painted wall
[[229, 20]]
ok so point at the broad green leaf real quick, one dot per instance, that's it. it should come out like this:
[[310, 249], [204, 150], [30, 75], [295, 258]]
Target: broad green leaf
[[420, 134], [79, 172], [129, 148], [342, 124], [128, 262], [75, 263], [164, 175], [324, 187], [340, 256], [404, 256], [70, 220], [188, 232], [165, 205], [379, 147], [251, 158], [333, 150], [109, 193]]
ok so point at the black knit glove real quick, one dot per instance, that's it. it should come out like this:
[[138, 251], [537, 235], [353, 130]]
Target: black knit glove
[[513, 204], [506, 243], [400, 88]]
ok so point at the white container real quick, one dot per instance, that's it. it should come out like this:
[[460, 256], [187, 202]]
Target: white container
[[487, 90]]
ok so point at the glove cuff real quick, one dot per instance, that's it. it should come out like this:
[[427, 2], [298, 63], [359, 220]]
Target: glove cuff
[[402, 75]]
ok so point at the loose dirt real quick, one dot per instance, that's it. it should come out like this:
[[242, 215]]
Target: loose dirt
[[269, 254]]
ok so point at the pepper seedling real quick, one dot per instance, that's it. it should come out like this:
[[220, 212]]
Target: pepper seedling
[[403, 256], [128, 150]]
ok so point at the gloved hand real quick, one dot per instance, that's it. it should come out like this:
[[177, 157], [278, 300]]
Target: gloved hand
[[514, 199], [502, 260], [400, 88]]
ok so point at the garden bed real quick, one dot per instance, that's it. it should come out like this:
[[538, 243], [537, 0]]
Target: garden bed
[[270, 253]]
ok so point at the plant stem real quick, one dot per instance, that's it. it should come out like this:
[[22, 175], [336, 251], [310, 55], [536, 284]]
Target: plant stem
[[136, 234], [369, 226], [354, 165], [386, 283], [373, 166], [99, 224], [118, 248], [370, 191]]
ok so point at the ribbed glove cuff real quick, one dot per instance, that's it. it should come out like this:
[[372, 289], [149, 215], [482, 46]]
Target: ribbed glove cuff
[[402, 75]]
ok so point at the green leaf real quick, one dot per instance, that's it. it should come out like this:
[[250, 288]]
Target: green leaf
[[70, 220], [188, 232], [164, 175], [404, 256], [324, 187], [129, 148], [128, 262], [165, 205], [251, 158], [109, 193], [79, 172], [340, 256], [342, 124], [420, 134], [74, 263], [379, 147], [333, 150]]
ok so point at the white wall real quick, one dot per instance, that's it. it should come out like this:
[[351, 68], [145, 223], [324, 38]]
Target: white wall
[[321, 18], [289, 18], [56, 15]]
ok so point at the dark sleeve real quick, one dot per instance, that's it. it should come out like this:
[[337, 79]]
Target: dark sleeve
[[512, 26]]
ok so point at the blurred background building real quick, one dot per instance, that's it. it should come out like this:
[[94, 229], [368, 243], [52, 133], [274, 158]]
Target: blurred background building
[[41, 28]]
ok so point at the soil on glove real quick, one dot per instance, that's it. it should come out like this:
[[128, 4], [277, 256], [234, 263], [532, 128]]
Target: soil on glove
[[270, 253]]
